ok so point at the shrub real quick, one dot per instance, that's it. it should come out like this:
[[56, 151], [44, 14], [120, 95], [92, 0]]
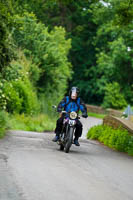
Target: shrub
[[3, 123], [12, 72], [95, 132], [19, 97], [13, 100], [3, 101], [122, 140], [105, 137], [16, 92], [130, 146], [118, 139], [26, 93]]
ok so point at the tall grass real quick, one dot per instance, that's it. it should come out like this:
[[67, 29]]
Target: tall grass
[[39, 123]]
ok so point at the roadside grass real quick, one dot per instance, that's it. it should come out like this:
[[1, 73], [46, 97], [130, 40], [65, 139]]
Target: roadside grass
[[118, 139], [96, 115], [39, 123]]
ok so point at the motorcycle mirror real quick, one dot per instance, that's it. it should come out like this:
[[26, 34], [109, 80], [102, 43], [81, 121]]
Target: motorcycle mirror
[[54, 106]]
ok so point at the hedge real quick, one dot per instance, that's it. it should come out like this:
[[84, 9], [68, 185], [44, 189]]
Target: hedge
[[118, 139]]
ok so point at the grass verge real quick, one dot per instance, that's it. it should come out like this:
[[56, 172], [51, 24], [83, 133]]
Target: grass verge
[[40, 123], [96, 115]]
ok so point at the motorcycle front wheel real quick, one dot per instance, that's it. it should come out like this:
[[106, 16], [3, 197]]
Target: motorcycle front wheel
[[69, 140], [61, 147]]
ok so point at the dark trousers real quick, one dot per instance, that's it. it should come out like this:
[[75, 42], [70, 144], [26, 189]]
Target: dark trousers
[[59, 125]]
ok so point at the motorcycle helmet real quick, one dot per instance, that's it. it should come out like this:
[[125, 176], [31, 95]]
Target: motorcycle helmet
[[74, 92]]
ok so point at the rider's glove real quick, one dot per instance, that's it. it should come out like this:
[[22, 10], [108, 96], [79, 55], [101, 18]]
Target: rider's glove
[[84, 115]]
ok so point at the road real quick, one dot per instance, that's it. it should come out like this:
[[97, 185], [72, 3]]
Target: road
[[33, 168], [88, 123]]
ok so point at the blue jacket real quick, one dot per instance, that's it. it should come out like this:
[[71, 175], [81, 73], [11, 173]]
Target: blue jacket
[[70, 105]]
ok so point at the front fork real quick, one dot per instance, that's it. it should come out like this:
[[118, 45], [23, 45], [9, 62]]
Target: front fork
[[63, 135], [67, 131]]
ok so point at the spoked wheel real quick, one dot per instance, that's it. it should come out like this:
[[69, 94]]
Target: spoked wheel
[[69, 140]]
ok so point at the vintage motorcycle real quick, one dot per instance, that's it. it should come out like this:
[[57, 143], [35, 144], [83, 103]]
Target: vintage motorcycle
[[69, 125]]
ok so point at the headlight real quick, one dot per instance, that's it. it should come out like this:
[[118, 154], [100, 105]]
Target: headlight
[[73, 115]]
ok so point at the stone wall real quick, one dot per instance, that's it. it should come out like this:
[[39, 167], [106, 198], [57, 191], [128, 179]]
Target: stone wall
[[100, 110], [116, 122], [96, 109], [113, 112]]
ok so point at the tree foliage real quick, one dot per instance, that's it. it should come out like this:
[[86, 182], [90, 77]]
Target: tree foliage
[[91, 38], [113, 42], [113, 97], [48, 51], [76, 18], [17, 94], [6, 45]]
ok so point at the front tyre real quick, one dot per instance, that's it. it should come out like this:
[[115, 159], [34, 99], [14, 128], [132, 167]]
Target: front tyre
[[61, 147], [69, 140]]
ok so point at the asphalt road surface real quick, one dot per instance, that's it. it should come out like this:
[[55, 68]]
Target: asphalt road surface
[[33, 168]]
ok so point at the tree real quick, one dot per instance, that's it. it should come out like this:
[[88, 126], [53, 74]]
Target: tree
[[48, 51], [101, 35], [6, 43], [114, 48], [76, 18]]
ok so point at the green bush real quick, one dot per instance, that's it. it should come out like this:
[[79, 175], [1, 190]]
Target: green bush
[[3, 123], [118, 139], [130, 146], [95, 132], [12, 72], [122, 141], [3, 100], [113, 97], [17, 95], [20, 97], [13, 100], [26, 93], [105, 137]]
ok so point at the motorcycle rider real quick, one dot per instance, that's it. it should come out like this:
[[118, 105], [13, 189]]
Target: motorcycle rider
[[71, 103]]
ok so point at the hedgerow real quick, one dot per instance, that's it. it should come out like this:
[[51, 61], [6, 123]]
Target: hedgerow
[[118, 139]]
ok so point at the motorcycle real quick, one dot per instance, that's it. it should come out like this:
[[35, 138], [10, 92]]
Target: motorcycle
[[69, 126]]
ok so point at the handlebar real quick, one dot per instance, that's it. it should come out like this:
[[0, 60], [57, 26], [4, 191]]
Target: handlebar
[[63, 111]]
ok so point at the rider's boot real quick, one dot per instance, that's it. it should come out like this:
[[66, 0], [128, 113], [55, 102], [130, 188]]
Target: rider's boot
[[56, 138], [76, 142]]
